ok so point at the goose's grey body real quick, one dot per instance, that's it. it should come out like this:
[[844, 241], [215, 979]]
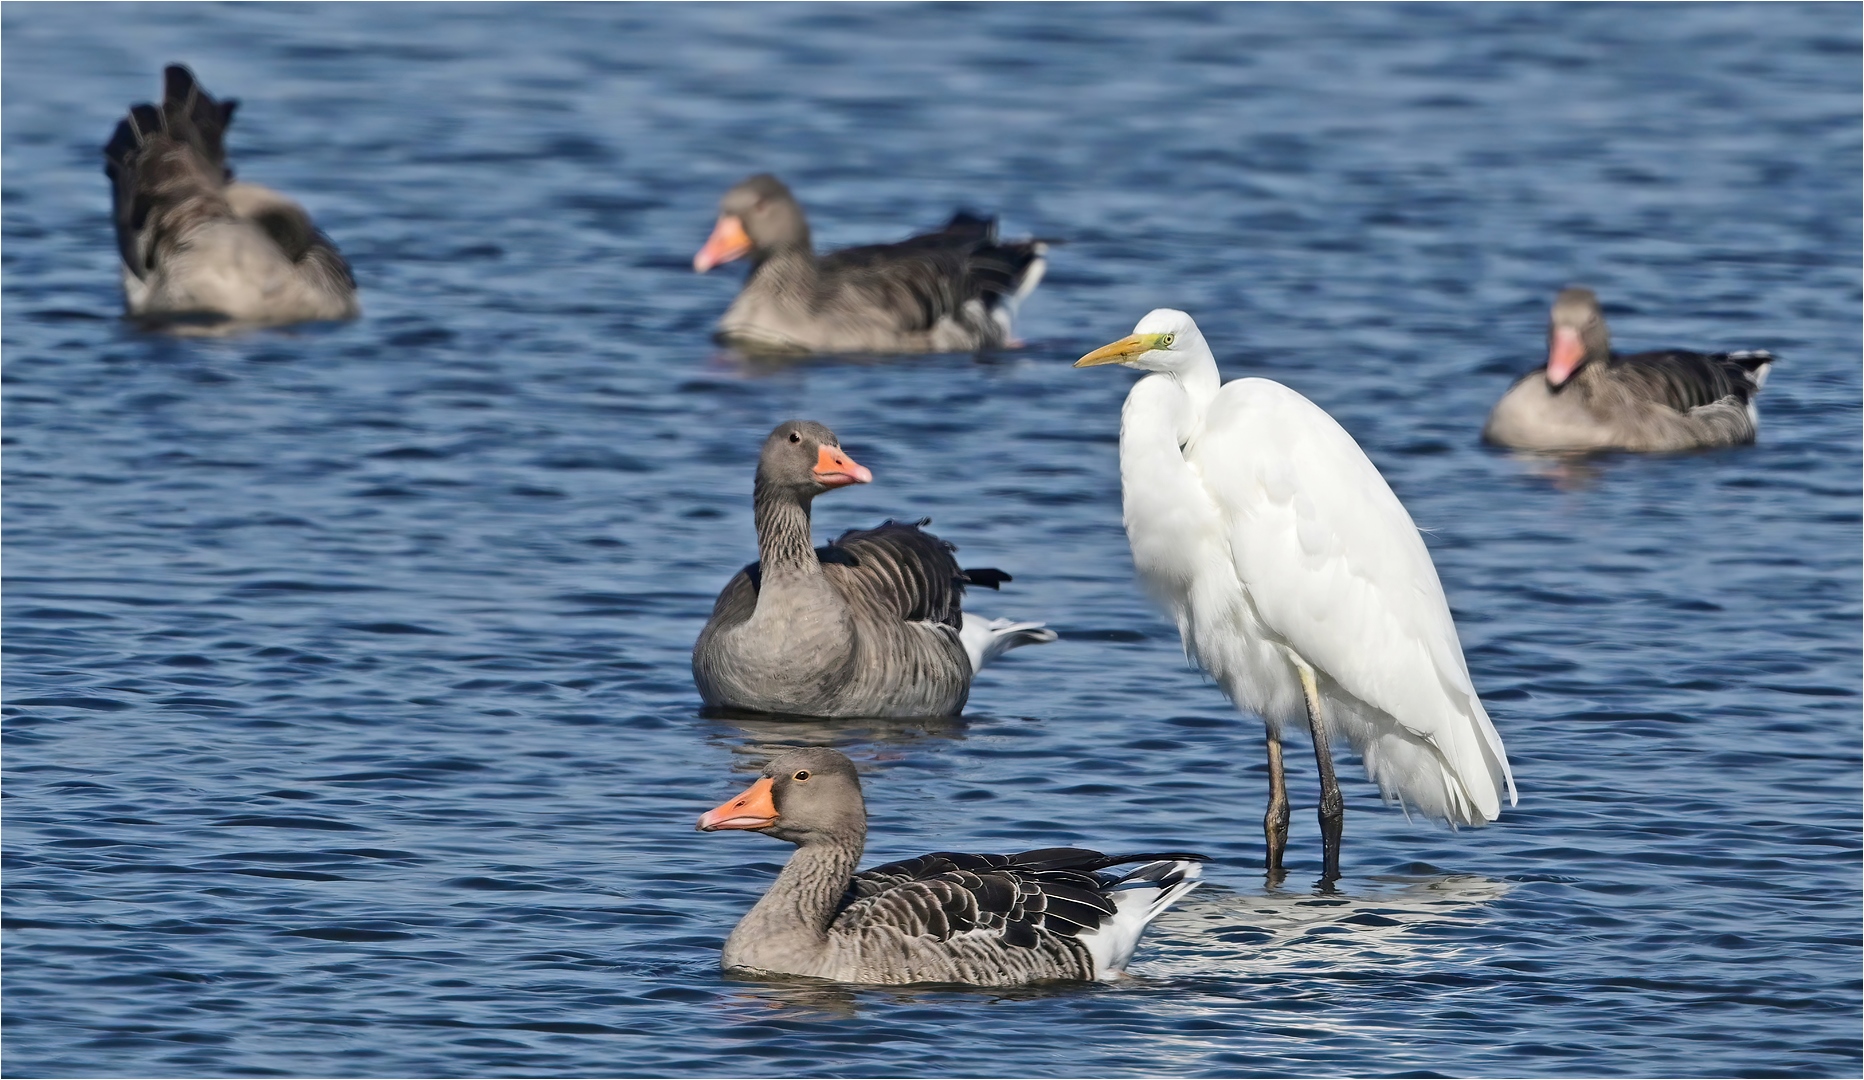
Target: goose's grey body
[[987, 920], [871, 629], [869, 625], [195, 243], [1589, 398], [953, 290]]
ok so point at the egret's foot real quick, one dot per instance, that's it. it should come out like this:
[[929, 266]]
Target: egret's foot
[[1275, 832], [1332, 824], [1275, 822]]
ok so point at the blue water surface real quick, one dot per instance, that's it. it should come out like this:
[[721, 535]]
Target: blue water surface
[[349, 729]]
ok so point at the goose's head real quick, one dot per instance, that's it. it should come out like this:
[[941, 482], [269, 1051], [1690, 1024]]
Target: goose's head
[[805, 459], [1165, 340], [758, 215], [1576, 333], [803, 795]]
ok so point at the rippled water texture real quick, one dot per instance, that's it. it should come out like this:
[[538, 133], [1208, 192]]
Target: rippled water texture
[[349, 725]]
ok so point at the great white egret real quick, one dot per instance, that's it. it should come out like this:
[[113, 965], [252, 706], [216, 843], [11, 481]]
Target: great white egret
[[1298, 582]]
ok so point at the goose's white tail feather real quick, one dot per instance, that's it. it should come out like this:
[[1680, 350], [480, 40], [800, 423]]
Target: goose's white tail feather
[[1759, 371], [985, 640], [1005, 310], [1138, 898]]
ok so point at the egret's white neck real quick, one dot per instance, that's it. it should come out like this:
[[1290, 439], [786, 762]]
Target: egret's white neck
[[1167, 512], [1200, 382], [1172, 403]]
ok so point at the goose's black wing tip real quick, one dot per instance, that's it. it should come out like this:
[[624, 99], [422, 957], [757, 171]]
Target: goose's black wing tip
[[988, 577]]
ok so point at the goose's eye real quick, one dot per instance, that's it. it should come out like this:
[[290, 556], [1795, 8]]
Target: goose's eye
[[801, 774], [795, 437], [1165, 342]]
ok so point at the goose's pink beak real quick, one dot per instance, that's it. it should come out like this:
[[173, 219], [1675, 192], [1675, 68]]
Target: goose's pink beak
[[836, 469], [751, 810], [1564, 355], [728, 241]]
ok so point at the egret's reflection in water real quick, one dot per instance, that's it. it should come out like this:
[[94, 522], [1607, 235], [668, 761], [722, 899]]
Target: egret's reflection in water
[[1384, 921]]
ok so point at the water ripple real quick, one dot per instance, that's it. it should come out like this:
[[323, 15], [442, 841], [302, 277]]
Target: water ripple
[[348, 715]]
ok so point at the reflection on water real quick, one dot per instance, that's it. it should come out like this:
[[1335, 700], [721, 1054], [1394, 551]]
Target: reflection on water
[[1387, 921], [762, 738], [1566, 472], [789, 998]]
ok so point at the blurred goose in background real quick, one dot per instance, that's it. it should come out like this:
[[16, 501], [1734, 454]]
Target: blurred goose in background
[[1299, 583], [987, 920], [194, 242], [1590, 398], [869, 625], [954, 290]]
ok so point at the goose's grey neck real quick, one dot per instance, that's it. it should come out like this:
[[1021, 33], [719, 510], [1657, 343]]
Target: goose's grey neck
[[788, 929], [815, 878], [785, 269], [783, 532]]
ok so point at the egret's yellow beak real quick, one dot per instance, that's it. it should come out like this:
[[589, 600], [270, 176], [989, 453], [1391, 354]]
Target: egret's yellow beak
[[1121, 351]]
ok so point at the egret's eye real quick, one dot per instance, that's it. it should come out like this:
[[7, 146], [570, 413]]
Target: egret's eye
[[801, 774], [795, 437], [1165, 342]]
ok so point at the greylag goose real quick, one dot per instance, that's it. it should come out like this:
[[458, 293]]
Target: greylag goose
[[1590, 398], [954, 290], [869, 625], [1299, 582], [987, 920], [197, 245]]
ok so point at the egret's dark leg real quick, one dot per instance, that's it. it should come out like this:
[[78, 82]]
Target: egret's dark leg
[[1275, 822], [1332, 804]]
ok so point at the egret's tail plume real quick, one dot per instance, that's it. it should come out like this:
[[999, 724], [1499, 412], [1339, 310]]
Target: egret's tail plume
[[1463, 783]]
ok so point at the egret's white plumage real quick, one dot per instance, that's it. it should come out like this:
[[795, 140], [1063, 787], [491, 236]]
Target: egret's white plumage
[[1276, 545]]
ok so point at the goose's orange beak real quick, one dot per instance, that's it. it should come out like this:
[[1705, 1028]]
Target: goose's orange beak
[[836, 469], [1564, 355], [751, 810], [727, 242]]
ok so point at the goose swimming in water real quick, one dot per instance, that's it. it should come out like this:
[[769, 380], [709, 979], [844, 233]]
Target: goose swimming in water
[[870, 625], [1590, 398], [195, 243], [988, 920], [954, 290]]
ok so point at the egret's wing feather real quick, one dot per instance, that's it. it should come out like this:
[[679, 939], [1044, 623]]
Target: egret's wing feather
[[1336, 568]]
